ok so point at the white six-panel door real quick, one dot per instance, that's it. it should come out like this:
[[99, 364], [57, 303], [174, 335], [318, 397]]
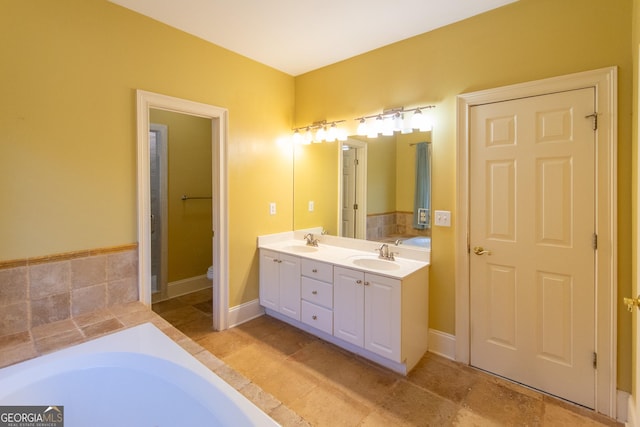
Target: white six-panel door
[[532, 268]]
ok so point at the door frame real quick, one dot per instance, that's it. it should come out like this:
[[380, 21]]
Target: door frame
[[605, 83], [220, 241]]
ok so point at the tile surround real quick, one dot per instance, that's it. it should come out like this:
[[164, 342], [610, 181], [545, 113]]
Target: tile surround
[[393, 224], [42, 290]]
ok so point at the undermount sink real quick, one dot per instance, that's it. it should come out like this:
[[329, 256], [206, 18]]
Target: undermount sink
[[300, 248], [375, 263]]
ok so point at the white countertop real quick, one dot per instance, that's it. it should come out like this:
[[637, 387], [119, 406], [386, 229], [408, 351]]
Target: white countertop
[[351, 253]]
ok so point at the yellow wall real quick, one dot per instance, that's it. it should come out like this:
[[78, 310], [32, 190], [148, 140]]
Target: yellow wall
[[67, 128], [189, 172], [526, 40]]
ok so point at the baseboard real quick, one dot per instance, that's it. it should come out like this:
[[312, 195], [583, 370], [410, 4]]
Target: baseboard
[[186, 286], [442, 344], [244, 312], [626, 407]]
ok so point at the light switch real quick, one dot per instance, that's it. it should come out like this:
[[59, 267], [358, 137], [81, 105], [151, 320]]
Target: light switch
[[443, 218], [272, 208], [311, 206]]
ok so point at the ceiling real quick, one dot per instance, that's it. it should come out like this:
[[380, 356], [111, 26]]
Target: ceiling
[[297, 36]]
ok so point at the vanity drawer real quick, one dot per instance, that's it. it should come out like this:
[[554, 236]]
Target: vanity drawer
[[317, 292], [317, 270], [318, 317]]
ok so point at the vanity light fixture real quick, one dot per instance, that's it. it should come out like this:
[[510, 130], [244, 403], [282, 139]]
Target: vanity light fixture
[[394, 120], [318, 132]]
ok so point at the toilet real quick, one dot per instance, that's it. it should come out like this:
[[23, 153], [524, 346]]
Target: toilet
[[210, 273]]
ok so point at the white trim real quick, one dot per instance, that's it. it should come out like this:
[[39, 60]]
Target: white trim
[[219, 119], [605, 83], [187, 286], [442, 344], [244, 312]]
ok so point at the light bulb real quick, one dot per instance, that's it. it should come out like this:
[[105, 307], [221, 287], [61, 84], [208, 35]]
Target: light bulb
[[342, 135], [332, 134], [378, 124], [297, 137], [387, 126], [398, 122], [320, 135], [417, 120], [308, 137], [428, 122], [362, 128]]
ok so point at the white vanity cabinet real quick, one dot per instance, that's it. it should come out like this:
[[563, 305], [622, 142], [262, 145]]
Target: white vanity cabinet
[[367, 311], [317, 295], [382, 316], [280, 283]]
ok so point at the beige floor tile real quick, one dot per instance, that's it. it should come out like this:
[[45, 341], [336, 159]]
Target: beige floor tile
[[244, 361], [444, 378], [466, 418], [286, 382], [504, 404], [410, 404], [196, 297], [102, 328], [223, 344], [356, 379], [327, 406], [182, 315]]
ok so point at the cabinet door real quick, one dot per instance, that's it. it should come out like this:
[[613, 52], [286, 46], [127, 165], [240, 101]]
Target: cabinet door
[[289, 286], [348, 305], [269, 280], [382, 321]]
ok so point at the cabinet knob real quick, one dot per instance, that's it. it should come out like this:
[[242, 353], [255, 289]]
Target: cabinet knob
[[314, 292], [314, 317], [366, 283], [359, 281], [314, 270]]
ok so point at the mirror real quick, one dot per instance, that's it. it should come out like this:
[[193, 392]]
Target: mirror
[[376, 174]]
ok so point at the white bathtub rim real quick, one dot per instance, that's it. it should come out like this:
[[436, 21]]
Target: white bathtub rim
[[143, 340]]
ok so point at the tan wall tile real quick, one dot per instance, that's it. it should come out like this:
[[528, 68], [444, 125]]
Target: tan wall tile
[[49, 279], [88, 271], [13, 285], [15, 318], [50, 309], [122, 291], [122, 265], [88, 299]]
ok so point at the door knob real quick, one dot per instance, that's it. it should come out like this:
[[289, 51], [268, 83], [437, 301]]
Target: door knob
[[479, 250], [632, 302]]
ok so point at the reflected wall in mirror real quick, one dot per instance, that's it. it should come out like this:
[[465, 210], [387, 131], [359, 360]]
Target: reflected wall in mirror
[[382, 186], [180, 164]]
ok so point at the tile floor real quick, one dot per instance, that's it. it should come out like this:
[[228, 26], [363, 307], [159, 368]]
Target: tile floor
[[327, 386]]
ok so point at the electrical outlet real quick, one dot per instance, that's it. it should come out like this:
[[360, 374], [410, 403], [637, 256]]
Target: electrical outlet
[[311, 206], [272, 208], [443, 218]]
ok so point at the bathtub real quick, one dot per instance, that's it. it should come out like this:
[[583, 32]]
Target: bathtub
[[424, 242], [136, 377]]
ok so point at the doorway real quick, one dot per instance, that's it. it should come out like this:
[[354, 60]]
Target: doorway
[[603, 83], [352, 189], [146, 101]]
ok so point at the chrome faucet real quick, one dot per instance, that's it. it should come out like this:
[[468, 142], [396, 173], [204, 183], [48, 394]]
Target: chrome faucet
[[310, 240], [384, 253]]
